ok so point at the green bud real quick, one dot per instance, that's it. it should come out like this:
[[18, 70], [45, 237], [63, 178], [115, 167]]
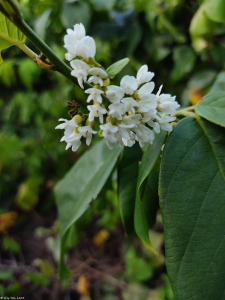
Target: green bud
[[97, 86], [77, 119], [110, 119], [76, 130], [91, 123], [106, 82], [173, 124], [136, 95]]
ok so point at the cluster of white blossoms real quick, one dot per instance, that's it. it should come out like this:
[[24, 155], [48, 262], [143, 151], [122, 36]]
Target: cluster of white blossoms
[[135, 112]]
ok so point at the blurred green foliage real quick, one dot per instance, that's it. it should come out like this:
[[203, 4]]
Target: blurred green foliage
[[32, 99], [182, 42]]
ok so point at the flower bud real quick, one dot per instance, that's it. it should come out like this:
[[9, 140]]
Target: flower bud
[[100, 132], [77, 119], [106, 82], [173, 124], [91, 123], [97, 86], [110, 119], [76, 130]]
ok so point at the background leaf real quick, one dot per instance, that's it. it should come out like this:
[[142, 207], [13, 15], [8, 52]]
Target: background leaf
[[127, 182], [212, 108], [148, 161], [192, 193], [81, 185], [215, 10]]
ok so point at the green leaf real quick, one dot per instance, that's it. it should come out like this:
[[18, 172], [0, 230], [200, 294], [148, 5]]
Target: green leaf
[[215, 10], [5, 275], [116, 68], [212, 108], [200, 23], [101, 5], [184, 61], [42, 22], [192, 193], [80, 186], [150, 198], [37, 278], [9, 35], [219, 84], [9, 244], [148, 162], [78, 12], [127, 182]]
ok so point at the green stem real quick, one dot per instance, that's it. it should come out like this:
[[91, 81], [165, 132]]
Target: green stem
[[185, 113], [27, 50], [60, 66]]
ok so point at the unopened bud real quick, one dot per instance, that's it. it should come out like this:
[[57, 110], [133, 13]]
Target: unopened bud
[[173, 124], [91, 123], [97, 86], [76, 130], [110, 119], [136, 95], [77, 119], [106, 82]]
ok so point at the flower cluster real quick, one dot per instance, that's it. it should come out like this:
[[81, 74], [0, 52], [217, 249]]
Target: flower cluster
[[135, 113]]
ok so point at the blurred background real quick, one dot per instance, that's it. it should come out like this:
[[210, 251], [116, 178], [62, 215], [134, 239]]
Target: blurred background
[[105, 264]]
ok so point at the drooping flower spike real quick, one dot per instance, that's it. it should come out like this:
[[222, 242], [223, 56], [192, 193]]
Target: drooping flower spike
[[135, 113]]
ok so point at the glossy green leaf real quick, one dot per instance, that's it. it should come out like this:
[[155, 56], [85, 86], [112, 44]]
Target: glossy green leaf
[[9, 35], [127, 182], [115, 69], [215, 10], [148, 162], [192, 203], [212, 108], [80, 186]]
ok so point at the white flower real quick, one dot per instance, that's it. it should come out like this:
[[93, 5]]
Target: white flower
[[96, 111], [132, 119], [87, 132], [154, 125], [71, 43], [124, 130], [98, 75], [130, 104], [131, 140], [166, 103], [164, 122], [114, 93], [144, 134], [70, 136], [86, 47], [145, 91], [108, 132], [80, 71], [143, 75], [95, 94], [147, 105], [78, 32], [117, 110], [149, 115], [129, 84]]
